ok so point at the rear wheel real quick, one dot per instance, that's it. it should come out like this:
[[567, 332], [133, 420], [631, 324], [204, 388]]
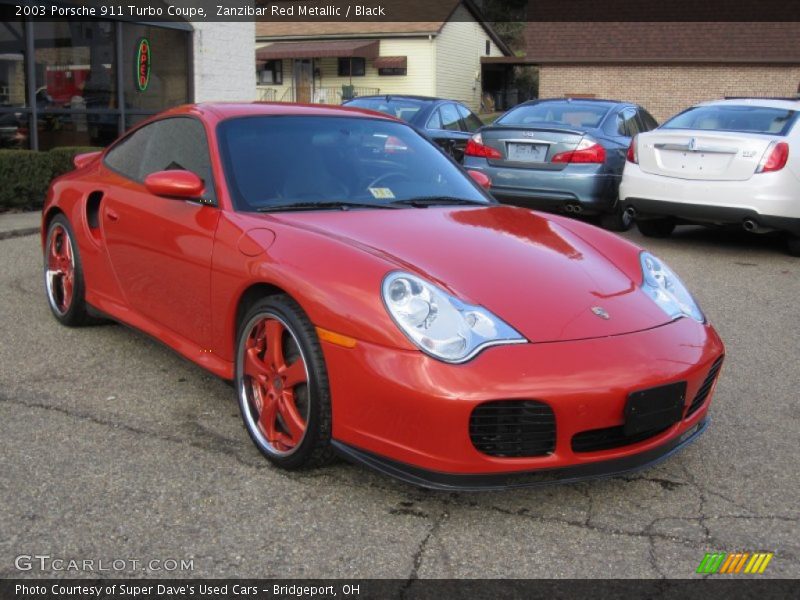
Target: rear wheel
[[63, 275], [282, 384], [656, 228], [618, 220]]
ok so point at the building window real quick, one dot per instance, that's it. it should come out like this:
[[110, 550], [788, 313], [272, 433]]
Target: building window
[[271, 73], [169, 82], [488, 47], [76, 83], [393, 71], [82, 83], [352, 67]]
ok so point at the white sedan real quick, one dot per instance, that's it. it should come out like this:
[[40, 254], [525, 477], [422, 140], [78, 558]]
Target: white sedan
[[727, 162]]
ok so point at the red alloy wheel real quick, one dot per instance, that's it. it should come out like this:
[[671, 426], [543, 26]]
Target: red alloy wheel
[[275, 380], [60, 269]]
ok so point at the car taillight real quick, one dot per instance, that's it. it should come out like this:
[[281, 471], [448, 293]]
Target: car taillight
[[774, 158], [475, 147], [587, 151], [632, 156]]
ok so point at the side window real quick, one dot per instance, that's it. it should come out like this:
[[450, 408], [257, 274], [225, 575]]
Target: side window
[[450, 118], [178, 143], [435, 121], [647, 120], [472, 122], [627, 123], [126, 157]]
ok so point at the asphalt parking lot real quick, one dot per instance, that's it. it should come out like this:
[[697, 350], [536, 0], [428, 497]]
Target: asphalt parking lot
[[112, 447]]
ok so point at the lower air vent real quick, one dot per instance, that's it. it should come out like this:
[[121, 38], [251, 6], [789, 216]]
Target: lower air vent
[[705, 389], [513, 428], [595, 440]]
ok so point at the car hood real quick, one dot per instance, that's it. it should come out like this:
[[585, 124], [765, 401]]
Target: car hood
[[537, 275]]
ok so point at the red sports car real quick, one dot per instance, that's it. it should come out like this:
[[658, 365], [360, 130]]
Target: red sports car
[[370, 299]]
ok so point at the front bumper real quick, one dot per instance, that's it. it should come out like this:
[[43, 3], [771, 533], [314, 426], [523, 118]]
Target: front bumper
[[394, 407], [590, 186], [500, 481]]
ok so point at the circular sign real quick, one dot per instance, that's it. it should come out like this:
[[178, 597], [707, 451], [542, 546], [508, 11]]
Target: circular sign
[[142, 64]]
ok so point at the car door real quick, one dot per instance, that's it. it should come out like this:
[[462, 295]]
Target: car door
[[446, 128], [627, 126], [160, 248]]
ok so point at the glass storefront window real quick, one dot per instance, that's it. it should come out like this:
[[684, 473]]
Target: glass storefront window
[[12, 65], [77, 129], [75, 65], [168, 82], [68, 92]]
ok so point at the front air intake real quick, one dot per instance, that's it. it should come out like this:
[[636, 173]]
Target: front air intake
[[705, 389], [513, 428]]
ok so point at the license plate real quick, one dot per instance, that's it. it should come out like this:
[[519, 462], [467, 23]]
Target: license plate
[[527, 152], [655, 408]]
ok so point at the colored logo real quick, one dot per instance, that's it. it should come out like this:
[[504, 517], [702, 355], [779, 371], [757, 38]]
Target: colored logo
[[733, 563], [143, 58]]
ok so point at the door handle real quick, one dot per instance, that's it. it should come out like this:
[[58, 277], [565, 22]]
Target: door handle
[[112, 216]]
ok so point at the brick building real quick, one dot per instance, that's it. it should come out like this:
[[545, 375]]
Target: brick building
[[665, 67]]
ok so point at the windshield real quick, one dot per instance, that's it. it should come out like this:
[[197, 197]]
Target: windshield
[[277, 161], [730, 117], [396, 107], [570, 114]]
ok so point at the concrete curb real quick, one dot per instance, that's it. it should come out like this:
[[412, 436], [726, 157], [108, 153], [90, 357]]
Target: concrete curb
[[15, 233]]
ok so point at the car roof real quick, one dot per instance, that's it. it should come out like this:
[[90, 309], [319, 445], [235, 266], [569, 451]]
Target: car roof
[[608, 103], [225, 110], [402, 97], [758, 102]]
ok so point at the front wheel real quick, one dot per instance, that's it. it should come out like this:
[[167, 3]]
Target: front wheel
[[656, 228], [282, 384], [63, 275]]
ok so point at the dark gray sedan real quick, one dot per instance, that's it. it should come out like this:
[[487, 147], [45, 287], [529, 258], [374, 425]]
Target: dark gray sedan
[[447, 122], [560, 155]]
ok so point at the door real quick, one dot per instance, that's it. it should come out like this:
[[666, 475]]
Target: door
[[160, 248], [447, 129], [303, 80]]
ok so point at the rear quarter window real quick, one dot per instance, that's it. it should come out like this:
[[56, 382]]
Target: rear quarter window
[[569, 114], [736, 118]]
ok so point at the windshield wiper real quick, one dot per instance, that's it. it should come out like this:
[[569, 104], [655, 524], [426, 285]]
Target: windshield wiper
[[423, 201], [327, 205]]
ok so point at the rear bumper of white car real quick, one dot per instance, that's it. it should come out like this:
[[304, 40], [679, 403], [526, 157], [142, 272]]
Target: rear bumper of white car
[[772, 200]]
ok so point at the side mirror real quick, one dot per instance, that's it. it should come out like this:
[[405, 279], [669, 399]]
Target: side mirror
[[81, 160], [174, 184], [482, 179]]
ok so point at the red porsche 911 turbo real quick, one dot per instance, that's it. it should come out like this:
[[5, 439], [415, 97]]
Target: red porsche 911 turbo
[[369, 299]]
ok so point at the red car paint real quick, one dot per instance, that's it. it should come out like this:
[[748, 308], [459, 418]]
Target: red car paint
[[178, 270]]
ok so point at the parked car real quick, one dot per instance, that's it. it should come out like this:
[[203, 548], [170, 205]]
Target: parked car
[[447, 122], [369, 299], [727, 162], [560, 155]]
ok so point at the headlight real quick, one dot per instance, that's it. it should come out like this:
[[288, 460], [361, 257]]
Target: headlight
[[440, 324], [667, 290]]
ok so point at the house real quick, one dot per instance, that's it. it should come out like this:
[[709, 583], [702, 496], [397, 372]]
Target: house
[[664, 66], [327, 62]]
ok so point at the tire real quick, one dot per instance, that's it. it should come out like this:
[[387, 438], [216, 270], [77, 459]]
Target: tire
[[793, 245], [284, 397], [64, 282], [618, 220], [656, 228]]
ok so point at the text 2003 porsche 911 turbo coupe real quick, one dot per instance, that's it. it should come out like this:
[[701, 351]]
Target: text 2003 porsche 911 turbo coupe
[[370, 299]]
